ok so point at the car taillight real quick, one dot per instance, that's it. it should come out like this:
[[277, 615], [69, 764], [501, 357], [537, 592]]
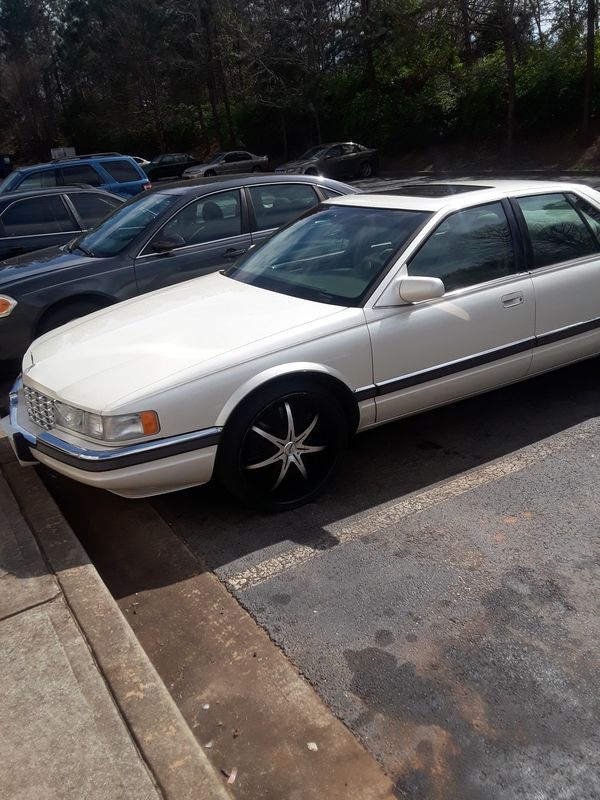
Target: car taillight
[[147, 186]]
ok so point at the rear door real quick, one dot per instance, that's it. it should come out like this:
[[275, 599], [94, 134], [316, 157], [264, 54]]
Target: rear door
[[563, 230], [34, 223], [207, 235], [123, 176]]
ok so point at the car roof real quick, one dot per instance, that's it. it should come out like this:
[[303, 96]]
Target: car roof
[[200, 185], [477, 192], [61, 162], [56, 190]]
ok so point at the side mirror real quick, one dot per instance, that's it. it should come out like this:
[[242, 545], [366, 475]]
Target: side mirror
[[168, 244], [413, 289]]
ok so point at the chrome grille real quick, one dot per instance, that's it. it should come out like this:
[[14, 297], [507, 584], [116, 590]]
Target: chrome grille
[[39, 407]]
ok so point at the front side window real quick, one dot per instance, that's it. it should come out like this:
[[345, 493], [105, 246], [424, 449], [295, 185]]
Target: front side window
[[92, 208], [122, 171], [120, 229], [205, 220], [556, 230], [468, 247], [38, 180], [81, 173], [334, 254], [36, 216], [276, 205]]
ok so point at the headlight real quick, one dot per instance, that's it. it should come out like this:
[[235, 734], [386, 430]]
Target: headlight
[[110, 429], [6, 305]]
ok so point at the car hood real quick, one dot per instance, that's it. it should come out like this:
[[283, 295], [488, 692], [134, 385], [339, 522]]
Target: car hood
[[30, 264], [172, 335]]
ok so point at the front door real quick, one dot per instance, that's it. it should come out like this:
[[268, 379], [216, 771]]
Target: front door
[[207, 235], [479, 335]]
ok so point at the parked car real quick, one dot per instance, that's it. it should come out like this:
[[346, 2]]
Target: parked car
[[336, 160], [228, 163], [114, 173], [162, 237], [365, 310], [169, 165], [50, 217]]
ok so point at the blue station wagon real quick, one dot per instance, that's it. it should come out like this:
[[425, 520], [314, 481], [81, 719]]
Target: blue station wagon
[[113, 173]]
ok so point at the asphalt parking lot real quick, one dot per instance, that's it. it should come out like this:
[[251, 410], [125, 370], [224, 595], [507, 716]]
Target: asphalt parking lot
[[442, 598]]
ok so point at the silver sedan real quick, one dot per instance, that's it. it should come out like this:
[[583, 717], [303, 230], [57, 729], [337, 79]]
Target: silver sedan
[[227, 163]]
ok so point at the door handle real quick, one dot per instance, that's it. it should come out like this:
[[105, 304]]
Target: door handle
[[233, 253], [514, 299]]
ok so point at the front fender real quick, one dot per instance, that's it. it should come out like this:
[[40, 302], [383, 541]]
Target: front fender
[[272, 373]]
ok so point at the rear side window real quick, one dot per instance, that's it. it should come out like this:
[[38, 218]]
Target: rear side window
[[277, 204], [121, 171], [92, 207], [327, 193], [556, 230], [37, 215], [39, 180], [81, 173], [467, 248]]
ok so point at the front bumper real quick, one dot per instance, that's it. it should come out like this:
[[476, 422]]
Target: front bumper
[[137, 470]]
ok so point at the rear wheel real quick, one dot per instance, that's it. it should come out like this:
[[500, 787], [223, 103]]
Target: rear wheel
[[256, 168], [281, 449], [366, 169], [67, 312]]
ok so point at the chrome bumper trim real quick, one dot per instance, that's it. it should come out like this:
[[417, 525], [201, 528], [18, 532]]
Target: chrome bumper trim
[[102, 460]]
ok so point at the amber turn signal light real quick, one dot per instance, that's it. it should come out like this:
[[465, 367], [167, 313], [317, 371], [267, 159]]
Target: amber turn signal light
[[149, 420]]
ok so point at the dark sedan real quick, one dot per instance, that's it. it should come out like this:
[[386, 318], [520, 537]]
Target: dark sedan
[[169, 166], [335, 160], [164, 236], [45, 217]]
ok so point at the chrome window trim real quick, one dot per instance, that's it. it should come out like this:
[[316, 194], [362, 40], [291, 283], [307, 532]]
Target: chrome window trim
[[37, 197]]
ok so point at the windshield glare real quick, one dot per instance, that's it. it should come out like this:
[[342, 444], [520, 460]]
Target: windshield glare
[[119, 230], [334, 254]]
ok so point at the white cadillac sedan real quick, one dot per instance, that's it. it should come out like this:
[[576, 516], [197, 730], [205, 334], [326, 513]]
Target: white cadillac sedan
[[367, 309]]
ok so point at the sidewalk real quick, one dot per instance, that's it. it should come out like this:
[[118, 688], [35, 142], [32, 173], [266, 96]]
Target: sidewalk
[[84, 714]]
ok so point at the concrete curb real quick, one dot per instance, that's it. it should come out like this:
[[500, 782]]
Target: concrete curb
[[163, 738]]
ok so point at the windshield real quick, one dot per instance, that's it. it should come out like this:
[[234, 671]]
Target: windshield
[[334, 254], [312, 154], [9, 180], [116, 232], [215, 158]]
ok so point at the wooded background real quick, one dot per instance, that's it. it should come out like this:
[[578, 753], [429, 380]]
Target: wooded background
[[150, 76]]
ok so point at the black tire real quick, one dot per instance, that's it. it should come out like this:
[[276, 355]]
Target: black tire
[[311, 171], [288, 476], [55, 317], [210, 173], [256, 168], [366, 169]]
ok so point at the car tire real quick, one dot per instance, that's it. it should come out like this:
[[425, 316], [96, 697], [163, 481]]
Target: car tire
[[66, 312], [257, 169], [366, 169], [210, 173], [311, 171], [274, 463]]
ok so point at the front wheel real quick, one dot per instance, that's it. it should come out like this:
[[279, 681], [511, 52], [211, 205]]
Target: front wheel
[[210, 173], [280, 451]]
